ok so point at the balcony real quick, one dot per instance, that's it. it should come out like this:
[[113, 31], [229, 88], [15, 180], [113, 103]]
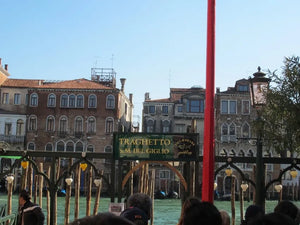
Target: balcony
[[12, 139]]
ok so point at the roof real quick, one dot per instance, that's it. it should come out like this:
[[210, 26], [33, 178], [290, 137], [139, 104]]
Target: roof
[[162, 100], [70, 84]]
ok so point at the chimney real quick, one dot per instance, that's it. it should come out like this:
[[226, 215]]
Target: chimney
[[0, 61], [147, 96], [6, 67], [218, 90], [122, 83], [130, 98]]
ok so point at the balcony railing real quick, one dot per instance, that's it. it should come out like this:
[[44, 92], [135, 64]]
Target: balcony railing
[[12, 139]]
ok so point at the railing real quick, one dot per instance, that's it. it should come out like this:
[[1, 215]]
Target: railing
[[12, 139], [2, 210], [9, 219]]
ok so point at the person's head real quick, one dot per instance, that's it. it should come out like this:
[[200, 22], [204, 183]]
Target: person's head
[[252, 212], [225, 217], [186, 205], [141, 201], [288, 208], [136, 215], [24, 197], [272, 219], [102, 219], [202, 213]]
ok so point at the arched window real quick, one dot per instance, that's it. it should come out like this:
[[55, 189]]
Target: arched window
[[64, 101], [50, 125], [91, 126], [31, 146], [223, 152], [92, 101], [90, 148], [241, 153], [79, 147], [245, 130], [79, 101], [60, 146], [33, 99], [165, 126], [72, 101], [108, 149], [78, 125], [150, 126], [63, 126], [32, 123], [232, 153], [51, 100], [48, 148], [109, 125], [20, 128], [70, 146], [110, 102]]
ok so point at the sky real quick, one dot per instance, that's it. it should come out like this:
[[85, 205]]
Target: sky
[[155, 44]]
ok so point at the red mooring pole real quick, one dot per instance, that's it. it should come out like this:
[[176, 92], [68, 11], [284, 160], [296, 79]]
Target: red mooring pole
[[209, 154]]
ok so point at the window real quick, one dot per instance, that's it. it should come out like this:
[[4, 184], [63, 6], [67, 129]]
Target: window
[[150, 126], [91, 126], [165, 109], [224, 132], [245, 130], [164, 174], [79, 147], [92, 101], [17, 99], [20, 128], [108, 149], [64, 100], [166, 126], [179, 108], [228, 107], [48, 148], [72, 99], [79, 101], [51, 100], [32, 123], [243, 88], [180, 128], [195, 106], [232, 132], [78, 125], [109, 125], [70, 146], [110, 102], [245, 107], [7, 129], [31, 146], [5, 98], [60, 146], [63, 123], [90, 148], [33, 99], [50, 126], [152, 109]]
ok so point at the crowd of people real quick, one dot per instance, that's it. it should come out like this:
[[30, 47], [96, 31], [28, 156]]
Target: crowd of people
[[193, 212]]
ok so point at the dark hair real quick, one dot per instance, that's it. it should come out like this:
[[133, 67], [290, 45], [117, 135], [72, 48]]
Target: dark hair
[[141, 201], [102, 219], [25, 195], [288, 208], [225, 217], [186, 205], [273, 219], [252, 212], [202, 213], [135, 215]]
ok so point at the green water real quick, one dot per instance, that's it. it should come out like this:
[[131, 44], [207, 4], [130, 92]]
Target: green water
[[166, 211]]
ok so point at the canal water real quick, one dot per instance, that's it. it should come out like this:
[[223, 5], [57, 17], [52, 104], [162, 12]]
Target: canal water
[[166, 211]]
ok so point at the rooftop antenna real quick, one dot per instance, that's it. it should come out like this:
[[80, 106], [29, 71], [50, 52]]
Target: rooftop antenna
[[112, 61]]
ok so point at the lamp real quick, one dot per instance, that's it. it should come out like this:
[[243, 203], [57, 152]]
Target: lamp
[[228, 171], [10, 179], [24, 164], [278, 187], [83, 166], [97, 182], [293, 173], [69, 180], [244, 187], [258, 88]]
